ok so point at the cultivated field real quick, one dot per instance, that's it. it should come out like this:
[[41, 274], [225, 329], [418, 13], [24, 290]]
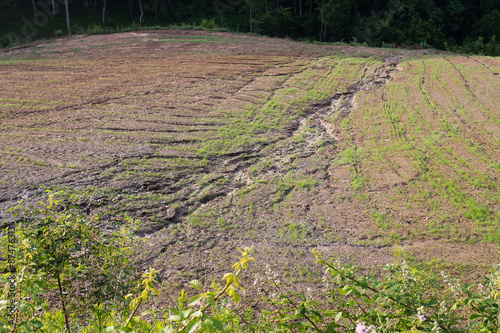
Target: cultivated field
[[217, 141]]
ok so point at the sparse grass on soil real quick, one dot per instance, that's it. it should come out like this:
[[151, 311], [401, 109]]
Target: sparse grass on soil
[[219, 140]]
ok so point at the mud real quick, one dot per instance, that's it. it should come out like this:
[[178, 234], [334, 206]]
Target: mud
[[163, 126]]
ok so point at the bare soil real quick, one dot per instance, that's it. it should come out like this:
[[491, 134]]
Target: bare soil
[[217, 141]]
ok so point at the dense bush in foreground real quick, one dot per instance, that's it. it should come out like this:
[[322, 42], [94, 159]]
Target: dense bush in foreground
[[61, 273]]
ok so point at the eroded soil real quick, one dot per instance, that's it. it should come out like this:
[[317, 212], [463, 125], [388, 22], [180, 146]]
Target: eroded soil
[[217, 141]]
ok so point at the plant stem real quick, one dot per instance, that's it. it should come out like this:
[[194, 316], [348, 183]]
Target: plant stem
[[293, 304], [367, 286], [278, 310], [132, 313], [62, 302], [219, 295], [14, 326]]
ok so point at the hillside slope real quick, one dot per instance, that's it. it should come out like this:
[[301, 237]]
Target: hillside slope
[[217, 141]]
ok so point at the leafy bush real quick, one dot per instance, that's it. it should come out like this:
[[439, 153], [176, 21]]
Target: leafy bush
[[414, 32], [62, 254], [277, 22], [411, 298], [208, 24], [478, 46], [5, 41], [96, 29]]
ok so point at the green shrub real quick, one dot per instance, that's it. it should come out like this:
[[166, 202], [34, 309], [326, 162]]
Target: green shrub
[[5, 41], [61, 253], [208, 24], [96, 29], [415, 32], [479, 46]]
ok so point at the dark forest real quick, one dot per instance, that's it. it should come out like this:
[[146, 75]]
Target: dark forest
[[455, 25]]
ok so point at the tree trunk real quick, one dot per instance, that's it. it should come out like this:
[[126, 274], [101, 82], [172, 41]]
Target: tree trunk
[[250, 18], [321, 28], [67, 16], [142, 13], [310, 6], [277, 4], [53, 8], [34, 8], [103, 11], [163, 6], [156, 9], [300, 7], [87, 7], [130, 9]]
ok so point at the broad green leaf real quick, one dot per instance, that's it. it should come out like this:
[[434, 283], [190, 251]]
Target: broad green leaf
[[147, 312], [175, 318], [475, 316], [217, 323], [193, 325], [210, 300], [197, 314], [185, 313], [196, 284], [236, 297], [195, 300], [207, 326]]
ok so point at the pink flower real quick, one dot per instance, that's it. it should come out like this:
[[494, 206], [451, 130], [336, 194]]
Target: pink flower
[[361, 328], [421, 317], [480, 286]]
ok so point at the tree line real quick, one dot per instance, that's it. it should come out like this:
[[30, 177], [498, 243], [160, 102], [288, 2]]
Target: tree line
[[471, 26]]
